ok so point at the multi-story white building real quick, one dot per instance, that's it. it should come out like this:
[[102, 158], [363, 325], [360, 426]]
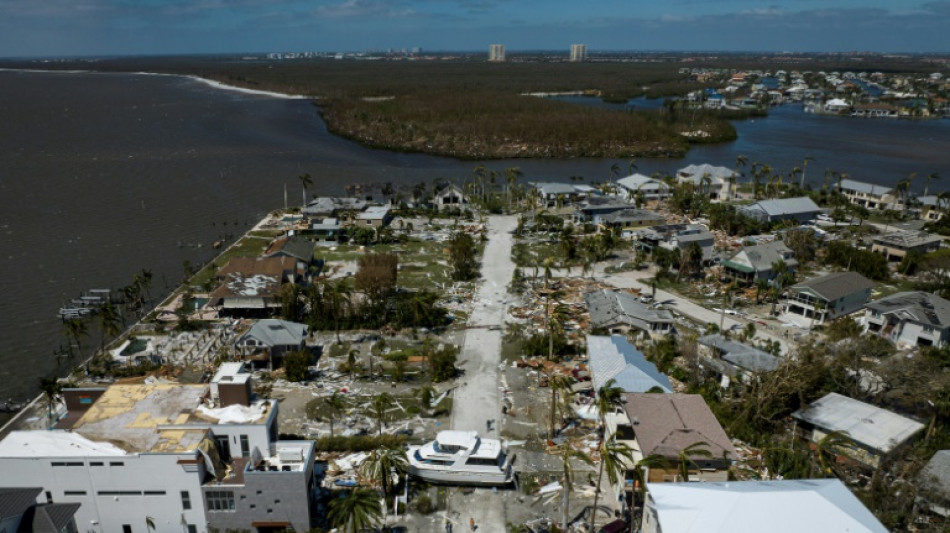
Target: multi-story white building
[[870, 195], [578, 52], [496, 52], [191, 458]]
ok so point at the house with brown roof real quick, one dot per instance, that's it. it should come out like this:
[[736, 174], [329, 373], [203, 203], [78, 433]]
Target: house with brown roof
[[670, 425], [251, 286]]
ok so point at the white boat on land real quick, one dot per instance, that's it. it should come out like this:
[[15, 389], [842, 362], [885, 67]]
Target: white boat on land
[[461, 458]]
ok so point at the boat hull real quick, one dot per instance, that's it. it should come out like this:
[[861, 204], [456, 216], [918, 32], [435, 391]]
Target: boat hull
[[459, 477]]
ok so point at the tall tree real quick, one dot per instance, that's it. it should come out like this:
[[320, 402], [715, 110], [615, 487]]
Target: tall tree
[[568, 456], [109, 323], [75, 329], [305, 181], [560, 388], [614, 459], [382, 465], [805, 169], [933, 176], [379, 409], [52, 391], [329, 408], [356, 511], [609, 398]]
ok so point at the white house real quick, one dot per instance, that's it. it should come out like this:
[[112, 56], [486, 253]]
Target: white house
[[649, 188], [717, 182], [186, 458], [785, 506]]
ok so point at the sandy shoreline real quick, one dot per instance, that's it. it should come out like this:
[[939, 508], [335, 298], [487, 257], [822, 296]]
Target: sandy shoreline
[[199, 79]]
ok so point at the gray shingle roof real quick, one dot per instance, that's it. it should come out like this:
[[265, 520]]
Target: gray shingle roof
[[273, 332], [52, 517], [695, 173], [554, 188], [917, 306], [741, 355], [613, 307], [15, 501], [637, 182], [615, 358], [761, 256], [784, 206], [836, 285]]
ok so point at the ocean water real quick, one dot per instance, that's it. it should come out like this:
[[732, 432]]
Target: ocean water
[[102, 175]]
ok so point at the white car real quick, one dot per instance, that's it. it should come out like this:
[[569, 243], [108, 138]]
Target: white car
[[825, 218]]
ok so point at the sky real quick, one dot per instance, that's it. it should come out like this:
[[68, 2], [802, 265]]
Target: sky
[[134, 27]]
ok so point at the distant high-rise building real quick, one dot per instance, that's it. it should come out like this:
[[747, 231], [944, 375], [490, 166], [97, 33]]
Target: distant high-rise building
[[578, 52], [496, 52]]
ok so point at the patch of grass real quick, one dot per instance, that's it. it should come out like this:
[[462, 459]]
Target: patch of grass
[[531, 254]]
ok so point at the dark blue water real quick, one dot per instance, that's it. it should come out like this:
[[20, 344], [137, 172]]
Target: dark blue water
[[102, 175]]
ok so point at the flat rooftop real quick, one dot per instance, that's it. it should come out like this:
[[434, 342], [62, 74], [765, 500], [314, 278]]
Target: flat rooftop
[[155, 417]]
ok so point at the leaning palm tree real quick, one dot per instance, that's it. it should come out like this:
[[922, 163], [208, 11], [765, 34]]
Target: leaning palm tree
[[305, 181], [685, 457], [568, 456], [381, 465], [614, 458], [826, 448], [52, 391], [640, 471], [805, 168], [933, 176], [356, 511]]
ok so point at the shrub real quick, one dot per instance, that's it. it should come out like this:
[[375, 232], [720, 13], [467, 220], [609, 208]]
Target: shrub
[[362, 443]]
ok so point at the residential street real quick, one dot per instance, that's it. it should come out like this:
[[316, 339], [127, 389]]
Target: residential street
[[478, 398]]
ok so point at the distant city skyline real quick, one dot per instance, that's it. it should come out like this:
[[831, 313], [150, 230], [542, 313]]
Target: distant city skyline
[[120, 27]]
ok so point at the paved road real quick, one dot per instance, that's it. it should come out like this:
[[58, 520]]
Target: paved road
[[684, 306], [478, 398]]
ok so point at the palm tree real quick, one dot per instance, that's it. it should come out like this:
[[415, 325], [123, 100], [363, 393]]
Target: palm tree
[[568, 453], [559, 384], [380, 467], [640, 470], [741, 161], [511, 176], [805, 168], [631, 166], [335, 405], [145, 280], [109, 321], [149, 523], [609, 398], [305, 181], [426, 393], [826, 447], [614, 458], [684, 458], [379, 408], [75, 330], [356, 511], [52, 391], [933, 176]]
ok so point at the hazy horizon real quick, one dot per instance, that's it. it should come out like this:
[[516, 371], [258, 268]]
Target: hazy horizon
[[57, 28]]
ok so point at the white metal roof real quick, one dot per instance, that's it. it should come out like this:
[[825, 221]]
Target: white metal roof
[[54, 444], [873, 427], [788, 506]]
